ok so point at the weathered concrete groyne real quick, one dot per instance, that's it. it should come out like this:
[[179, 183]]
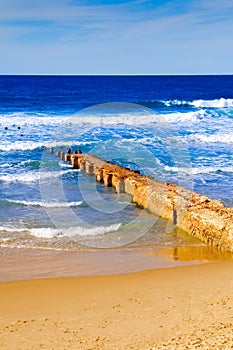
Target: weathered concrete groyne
[[207, 219]]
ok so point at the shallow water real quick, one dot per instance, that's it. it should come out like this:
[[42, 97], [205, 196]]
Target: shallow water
[[23, 264]]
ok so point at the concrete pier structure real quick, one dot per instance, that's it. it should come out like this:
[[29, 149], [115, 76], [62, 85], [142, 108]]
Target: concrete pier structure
[[67, 157], [74, 161], [207, 219]]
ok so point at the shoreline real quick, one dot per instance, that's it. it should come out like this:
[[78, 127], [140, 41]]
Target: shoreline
[[170, 308], [27, 264]]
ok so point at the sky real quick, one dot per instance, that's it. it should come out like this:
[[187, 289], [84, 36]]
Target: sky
[[116, 37]]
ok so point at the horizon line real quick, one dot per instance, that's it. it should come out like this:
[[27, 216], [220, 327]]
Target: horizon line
[[110, 74]]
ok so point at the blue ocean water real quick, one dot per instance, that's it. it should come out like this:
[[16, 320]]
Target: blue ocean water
[[175, 128]]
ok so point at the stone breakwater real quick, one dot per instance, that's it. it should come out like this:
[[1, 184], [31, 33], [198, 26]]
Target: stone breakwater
[[206, 219]]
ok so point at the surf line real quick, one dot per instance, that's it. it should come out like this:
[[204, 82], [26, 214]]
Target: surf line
[[209, 220]]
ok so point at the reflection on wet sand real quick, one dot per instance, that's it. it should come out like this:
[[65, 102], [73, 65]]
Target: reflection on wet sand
[[192, 253]]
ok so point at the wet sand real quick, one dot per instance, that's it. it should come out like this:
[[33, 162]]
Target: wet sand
[[187, 307], [24, 264]]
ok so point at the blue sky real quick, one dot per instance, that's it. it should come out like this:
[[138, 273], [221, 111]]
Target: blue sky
[[116, 37]]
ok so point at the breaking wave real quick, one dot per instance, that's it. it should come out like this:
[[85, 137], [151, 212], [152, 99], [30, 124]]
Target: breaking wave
[[217, 103], [74, 231], [35, 176], [47, 232], [32, 145], [46, 204], [21, 119], [199, 170], [214, 138]]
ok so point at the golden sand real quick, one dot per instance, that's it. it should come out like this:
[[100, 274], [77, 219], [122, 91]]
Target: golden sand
[[176, 308]]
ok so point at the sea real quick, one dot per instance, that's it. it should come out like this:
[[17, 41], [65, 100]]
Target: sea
[[177, 129]]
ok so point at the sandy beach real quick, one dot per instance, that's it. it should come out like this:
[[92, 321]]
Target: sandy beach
[[173, 308]]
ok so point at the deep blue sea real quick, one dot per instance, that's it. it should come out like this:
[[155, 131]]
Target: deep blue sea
[[175, 128]]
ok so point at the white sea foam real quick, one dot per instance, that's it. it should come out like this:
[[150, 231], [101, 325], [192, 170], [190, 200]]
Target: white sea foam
[[82, 119], [185, 117], [73, 231], [46, 204], [199, 170], [29, 161], [217, 103], [175, 103], [214, 138], [137, 119], [20, 119], [62, 164], [85, 117], [26, 177], [48, 232], [5, 165], [2, 239], [62, 127], [8, 146], [12, 229], [34, 176], [85, 123]]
